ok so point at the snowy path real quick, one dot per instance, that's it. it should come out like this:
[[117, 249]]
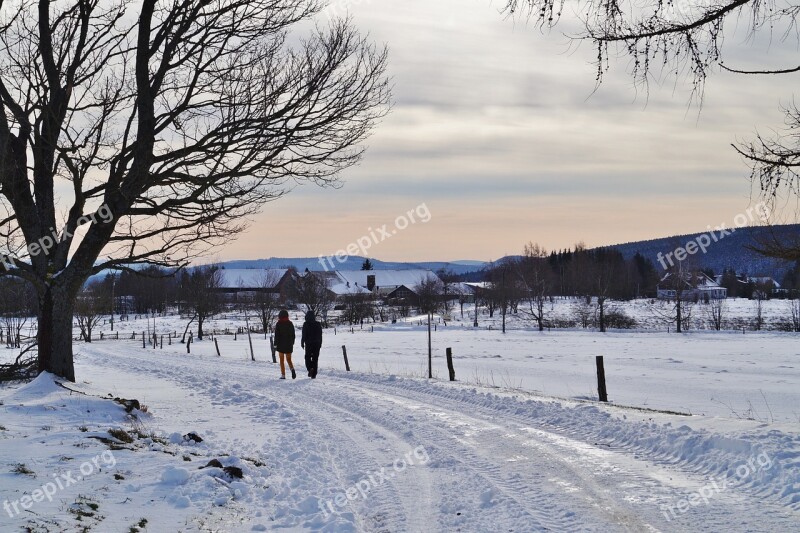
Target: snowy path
[[438, 457]]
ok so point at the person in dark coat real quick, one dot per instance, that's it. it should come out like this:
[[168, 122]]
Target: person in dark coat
[[284, 341], [311, 340]]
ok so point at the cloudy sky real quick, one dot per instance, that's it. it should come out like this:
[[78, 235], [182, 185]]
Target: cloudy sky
[[497, 129]]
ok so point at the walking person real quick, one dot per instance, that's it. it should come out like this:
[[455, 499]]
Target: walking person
[[284, 341], [311, 340]]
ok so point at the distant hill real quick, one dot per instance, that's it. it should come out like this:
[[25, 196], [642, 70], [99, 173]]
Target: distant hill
[[729, 252], [352, 263]]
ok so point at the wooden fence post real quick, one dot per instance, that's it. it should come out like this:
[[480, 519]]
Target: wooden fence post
[[601, 379], [346, 362], [189, 345], [272, 348], [450, 368], [216, 344], [144, 345]]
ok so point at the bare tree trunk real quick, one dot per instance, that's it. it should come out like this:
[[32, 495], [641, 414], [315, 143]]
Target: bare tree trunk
[[185, 331], [55, 333], [601, 305], [540, 303]]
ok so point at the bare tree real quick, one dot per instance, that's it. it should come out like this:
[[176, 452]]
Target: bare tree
[[357, 306], [380, 308], [534, 274], [89, 309], [505, 288], [200, 293], [265, 300], [429, 300], [583, 311], [680, 281], [449, 280], [716, 309], [463, 294], [17, 305], [758, 310], [794, 308], [147, 137], [312, 291], [603, 278]]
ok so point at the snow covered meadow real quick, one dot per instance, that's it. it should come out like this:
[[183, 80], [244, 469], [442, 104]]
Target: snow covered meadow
[[702, 433]]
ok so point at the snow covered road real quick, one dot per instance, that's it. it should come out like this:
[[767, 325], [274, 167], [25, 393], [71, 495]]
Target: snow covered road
[[360, 452]]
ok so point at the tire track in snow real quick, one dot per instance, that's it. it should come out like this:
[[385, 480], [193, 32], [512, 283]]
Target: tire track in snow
[[380, 511], [411, 486], [664, 484], [536, 508]]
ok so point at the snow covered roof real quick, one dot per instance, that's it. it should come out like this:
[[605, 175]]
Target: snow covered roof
[[385, 278], [341, 289], [250, 278], [766, 280], [697, 280], [462, 288]]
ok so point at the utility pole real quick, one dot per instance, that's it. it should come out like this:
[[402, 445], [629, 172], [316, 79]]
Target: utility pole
[[430, 352]]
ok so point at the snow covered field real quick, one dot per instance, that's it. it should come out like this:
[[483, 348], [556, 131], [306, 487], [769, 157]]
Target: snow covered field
[[517, 444]]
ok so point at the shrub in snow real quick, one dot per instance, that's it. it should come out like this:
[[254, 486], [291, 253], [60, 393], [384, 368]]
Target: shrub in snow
[[616, 319]]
